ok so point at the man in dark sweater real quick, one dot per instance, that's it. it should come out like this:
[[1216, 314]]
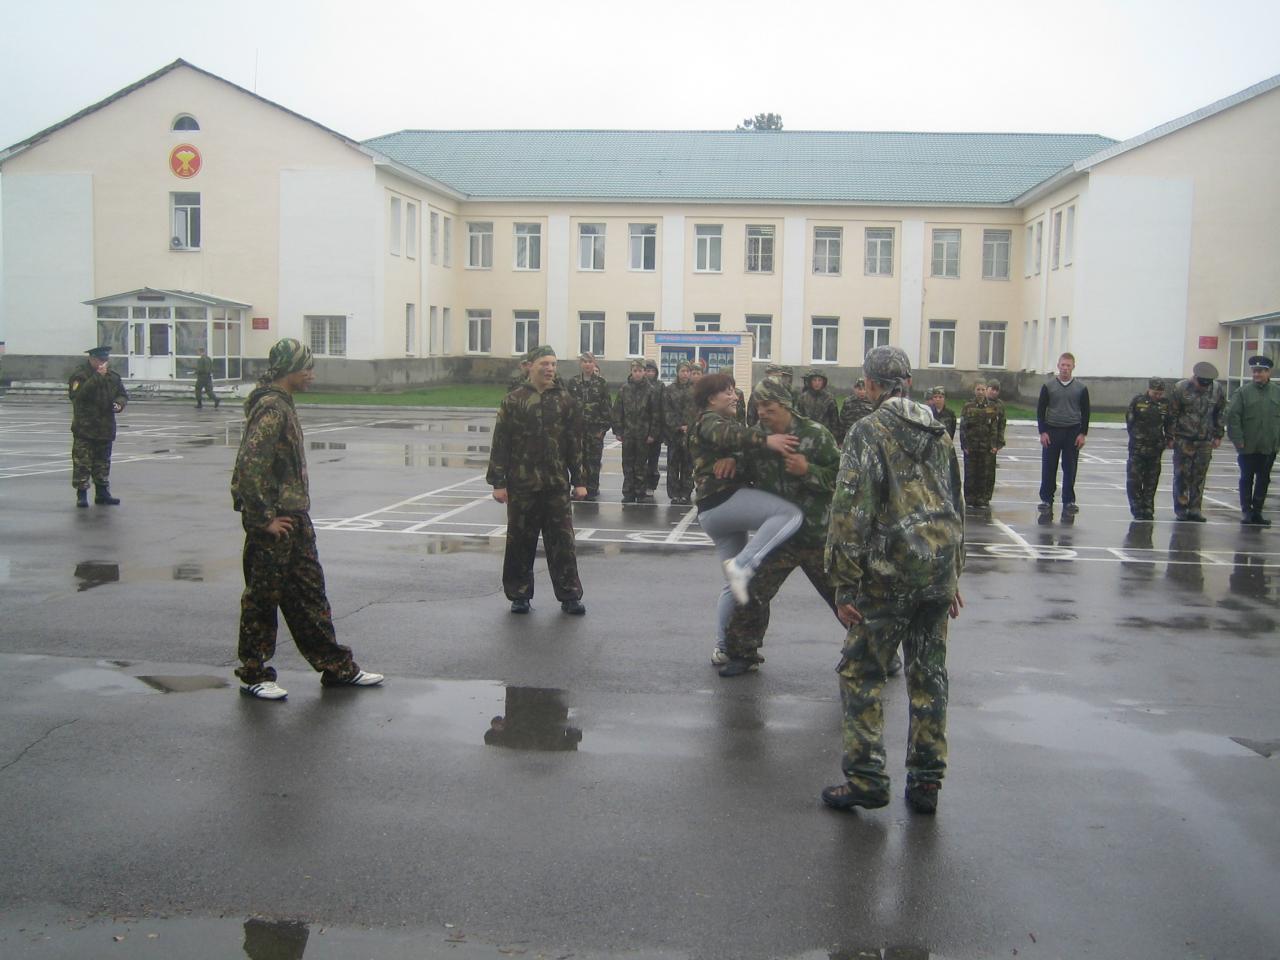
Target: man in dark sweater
[[1062, 415]]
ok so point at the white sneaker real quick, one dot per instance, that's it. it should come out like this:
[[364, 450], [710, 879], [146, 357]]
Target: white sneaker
[[267, 690], [362, 679], [719, 658], [738, 579]]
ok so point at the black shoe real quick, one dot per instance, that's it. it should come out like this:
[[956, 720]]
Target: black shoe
[[82, 498], [1070, 508], [199, 406], [1196, 518], [895, 666], [520, 606], [574, 608], [845, 796], [102, 496], [217, 404], [628, 498], [923, 797], [1181, 517], [737, 666], [1046, 506], [1249, 519], [1259, 519]]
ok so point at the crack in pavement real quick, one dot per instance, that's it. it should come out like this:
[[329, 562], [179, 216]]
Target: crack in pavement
[[44, 736]]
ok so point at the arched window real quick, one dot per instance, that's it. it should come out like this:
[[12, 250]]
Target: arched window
[[185, 121]]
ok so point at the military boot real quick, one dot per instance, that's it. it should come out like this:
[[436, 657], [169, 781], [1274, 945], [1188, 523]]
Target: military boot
[[82, 497], [103, 497]]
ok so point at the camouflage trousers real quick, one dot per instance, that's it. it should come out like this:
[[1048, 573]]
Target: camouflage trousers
[[651, 465], [592, 456], [90, 458], [1142, 476], [1190, 468], [285, 575], [205, 385], [635, 465], [545, 513], [744, 633], [979, 476], [921, 628], [679, 468]]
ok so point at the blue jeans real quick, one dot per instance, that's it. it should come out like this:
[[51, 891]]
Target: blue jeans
[[1062, 443]]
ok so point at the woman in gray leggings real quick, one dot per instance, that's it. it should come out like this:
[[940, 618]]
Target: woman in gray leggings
[[728, 509]]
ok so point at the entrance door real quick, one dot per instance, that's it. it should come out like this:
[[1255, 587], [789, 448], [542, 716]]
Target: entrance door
[[150, 350]]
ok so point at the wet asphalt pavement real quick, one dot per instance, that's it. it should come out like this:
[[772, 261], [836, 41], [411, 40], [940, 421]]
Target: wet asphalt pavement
[[1114, 726]]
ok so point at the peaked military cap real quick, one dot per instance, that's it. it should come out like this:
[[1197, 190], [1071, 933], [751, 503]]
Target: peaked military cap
[[1205, 371], [1260, 362], [99, 353]]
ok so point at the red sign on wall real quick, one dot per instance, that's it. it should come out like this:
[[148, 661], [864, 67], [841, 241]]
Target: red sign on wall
[[262, 323], [1208, 343], [184, 161]]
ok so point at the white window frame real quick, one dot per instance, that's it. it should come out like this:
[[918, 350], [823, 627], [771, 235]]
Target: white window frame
[[186, 228], [706, 322], [944, 261], [433, 314], [1069, 245], [708, 247], [528, 246], [526, 328], [875, 333], [879, 251], [410, 329], [643, 244], [760, 325], [591, 246], [760, 247], [326, 334], [394, 228], [638, 324], [827, 250], [993, 343], [411, 230], [942, 343], [825, 340], [448, 242], [994, 243], [479, 244], [479, 331], [591, 332], [1055, 242], [1038, 246], [435, 236], [446, 318]]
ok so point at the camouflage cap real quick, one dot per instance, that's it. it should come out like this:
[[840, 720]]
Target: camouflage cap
[[1156, 383], [994, 383], [936, 392], [774, 368], [288, 356], [786, 371], [815, 372], [887, 364], [651, 365], [859, 383], [683, 365], [587, 357], [545, 350], [769, 391], [637, 364]]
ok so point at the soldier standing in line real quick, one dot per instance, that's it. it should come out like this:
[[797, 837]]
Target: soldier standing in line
[[1196, 409], [97, 395], [659, 430], [1253, 424], [895, 551], [281, 566], [633, 425], [677, 415], [936, 399], [204, 380], [534, 462], [1002, 417], [854, 409], [592, 393], [978, 436], [816, 403], [1147, 421]]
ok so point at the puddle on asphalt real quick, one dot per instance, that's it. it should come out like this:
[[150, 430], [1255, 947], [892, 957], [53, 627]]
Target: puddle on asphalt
[[275, 939], [94, 573], [184, 684], [535, 718], [199, 442]]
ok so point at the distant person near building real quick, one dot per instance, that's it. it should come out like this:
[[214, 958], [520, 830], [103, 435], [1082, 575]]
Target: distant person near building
[[634, 423], [204, 380], [1147, 420], [592, 393], [1253, 424], [1196, 408], [936, 400], [816, 403], [855, 407], [651, 475], [97, 394], [1062, 418]]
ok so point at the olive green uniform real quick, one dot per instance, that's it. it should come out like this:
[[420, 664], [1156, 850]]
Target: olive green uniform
[[1147, 421], [981, 434], [592, 394], [93, 398]]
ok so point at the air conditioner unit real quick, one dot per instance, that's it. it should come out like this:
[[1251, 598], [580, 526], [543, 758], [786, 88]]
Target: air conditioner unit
[[177, 243]]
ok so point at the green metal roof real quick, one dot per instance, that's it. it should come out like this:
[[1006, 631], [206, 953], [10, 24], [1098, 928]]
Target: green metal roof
[[791, 166]]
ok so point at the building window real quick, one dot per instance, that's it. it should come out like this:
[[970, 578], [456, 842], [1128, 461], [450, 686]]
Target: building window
[[1055, 241], [1069, 245], [394, 227], [762, 328], [433, 314], [706, 322], [946, 253], [410, 328], [942, 343], [637, 325], [1029, 253], [707, 255], [186, 221], [448, 241], [480, 245], [1064, 332], [327, 336], [760, 249], [826, 250], [644, 247], [826, 331], [991, 338], [1038, 245], [411, 230], [879, 251], [591, 332], [479, 331], [875, 333], [995, 254], [591, 246], [528, 246], [435, 237], [526, 331], [446, 324], [185, 121]]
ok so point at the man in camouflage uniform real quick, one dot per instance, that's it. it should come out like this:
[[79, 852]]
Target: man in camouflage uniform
[[775, 372], [281, 566], [856, 406], [1196, 409], [677, 416], [204, 381], [895, 551], [535, 458], [97, 395], [936, 399], [592, 393], [634, 423], [980, 430], [659, 429], [1147, 421], [1002, 416], [816, 403]]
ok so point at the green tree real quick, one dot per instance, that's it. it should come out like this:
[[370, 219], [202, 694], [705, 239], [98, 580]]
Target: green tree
[[762, 121]]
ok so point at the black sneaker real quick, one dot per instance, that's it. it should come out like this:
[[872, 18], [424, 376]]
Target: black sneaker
[[1196, 518], [628, 498], [574, 608], [845, 796], [520, 606], [737, 666], [1070, 508], [923, 797]]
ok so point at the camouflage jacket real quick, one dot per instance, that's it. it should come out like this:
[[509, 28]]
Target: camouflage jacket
[[1002, 421], [204, 368], [659, 408], [270, 475], [948, 420], [712, 438], [897, 516], [633, 410], [678, 410], [851, 412], [1148, 424], [981, 426], [93, 397], [819, 405], [537, 441], [1197, 414], [518, 380], [812, 492], [592, 395]]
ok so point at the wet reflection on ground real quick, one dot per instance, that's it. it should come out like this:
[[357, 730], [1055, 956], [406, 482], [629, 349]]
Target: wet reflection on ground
[[1185, 562], [183, 684], [94, 573], [535, 719], [193, 572], [275, 939], [888, 953]]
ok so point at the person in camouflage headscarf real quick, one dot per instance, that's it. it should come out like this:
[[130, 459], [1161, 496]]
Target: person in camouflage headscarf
[[592, 393], [854, 408], [677, 417], [535, 462], [816, 402], [895, 550], [634, 423], [282, 569], [97, 394]]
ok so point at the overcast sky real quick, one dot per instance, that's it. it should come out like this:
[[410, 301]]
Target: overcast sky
[[366, 68]]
